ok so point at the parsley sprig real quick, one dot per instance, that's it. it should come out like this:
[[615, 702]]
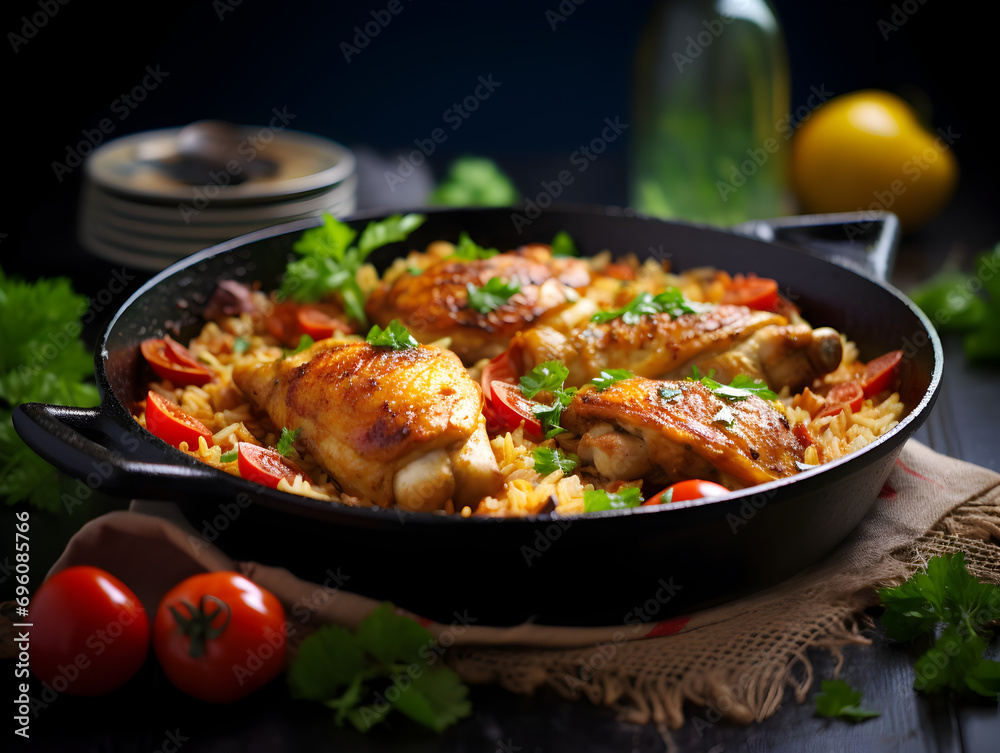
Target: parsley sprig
[[945, 604], [330, 260], [395, 336], [468, 250], [389, 664], [595, 500], [551, 459], [491, 296], [670, 301], [548, 377], [737, 390], [42, 360]]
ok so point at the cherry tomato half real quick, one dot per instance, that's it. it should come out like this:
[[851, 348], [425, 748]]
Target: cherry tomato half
[[880, 372], [509, 408], [90, 633], [173, 425], [499, 368], [171, 360], [266, 466], [682, 491], [841, 395], [759, 293], [283, 323], [219, 636], [320, 321]]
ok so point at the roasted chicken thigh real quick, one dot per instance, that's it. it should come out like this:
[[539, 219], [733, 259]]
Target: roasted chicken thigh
[[667, 431], [400, 427]]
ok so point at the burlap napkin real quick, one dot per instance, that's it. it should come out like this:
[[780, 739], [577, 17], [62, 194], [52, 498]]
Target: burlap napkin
[[736, 659]]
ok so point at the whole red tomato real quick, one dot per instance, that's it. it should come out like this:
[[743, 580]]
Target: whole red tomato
[[89, 632], [219, 636]]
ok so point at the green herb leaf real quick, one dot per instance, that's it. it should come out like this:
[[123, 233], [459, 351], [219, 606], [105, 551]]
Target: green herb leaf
[[395, 336], [330, 264], [549, 460], [284, 445], [352, 673], [608, 377], [595, 500], [671, 301], [739, 389], [944, 601], [468, 250], [240, 345], [43, 360], [229, 457], [491, 296], [546, 376], [839, 699], [474, 181], [305, 342], [563, 245]]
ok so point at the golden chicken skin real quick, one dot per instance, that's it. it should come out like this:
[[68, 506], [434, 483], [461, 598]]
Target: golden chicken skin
[[666, 431], [439, 302], [726, 339], [395, 427]]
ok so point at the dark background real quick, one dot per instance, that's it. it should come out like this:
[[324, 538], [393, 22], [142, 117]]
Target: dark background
[[238, 62]]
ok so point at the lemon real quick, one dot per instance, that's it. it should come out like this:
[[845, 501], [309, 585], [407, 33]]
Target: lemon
[[868, 151]]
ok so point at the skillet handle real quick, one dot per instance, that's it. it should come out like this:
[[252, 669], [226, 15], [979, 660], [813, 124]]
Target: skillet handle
[[863, 241], [62, 436]]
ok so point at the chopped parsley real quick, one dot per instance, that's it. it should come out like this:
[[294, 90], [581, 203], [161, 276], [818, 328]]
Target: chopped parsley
[[608, 377], [284, 445], [595, 500], [390, 663], [305, 342], [549, 460], [229, 457], [739, 389], [330, 260], [240, 345], [548, 377], [670, 301], [396, 336], [491, 296], [669, 394]]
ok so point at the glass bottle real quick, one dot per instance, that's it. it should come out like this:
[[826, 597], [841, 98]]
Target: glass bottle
[[711, 113]]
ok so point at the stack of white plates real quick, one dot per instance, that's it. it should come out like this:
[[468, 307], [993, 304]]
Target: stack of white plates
[[139, 209]]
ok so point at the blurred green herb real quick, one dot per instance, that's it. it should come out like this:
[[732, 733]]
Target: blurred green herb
[[389, 664], [330, 260], [491, 296], [837, 698], [229, 457], [967, 304], [474, 181], [945, 604], [595, 500], [42, 360], [563, 244], [468, 250]]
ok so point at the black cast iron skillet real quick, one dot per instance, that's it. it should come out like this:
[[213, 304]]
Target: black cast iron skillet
[[603, 568]]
